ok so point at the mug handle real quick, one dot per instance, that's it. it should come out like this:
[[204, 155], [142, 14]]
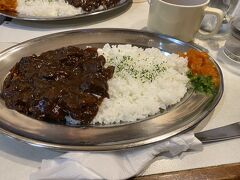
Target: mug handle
[[149, 2], [220, 15]]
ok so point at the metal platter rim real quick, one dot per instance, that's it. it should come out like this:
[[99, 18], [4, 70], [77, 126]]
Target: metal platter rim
[[102, 30], [65, 148], [115, 146], [45, 19]]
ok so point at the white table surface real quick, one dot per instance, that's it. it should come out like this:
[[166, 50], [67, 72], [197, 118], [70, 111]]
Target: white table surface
[[19, 160]]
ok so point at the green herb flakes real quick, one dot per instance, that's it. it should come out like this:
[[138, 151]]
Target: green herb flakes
[[202, 84], [127, 66]]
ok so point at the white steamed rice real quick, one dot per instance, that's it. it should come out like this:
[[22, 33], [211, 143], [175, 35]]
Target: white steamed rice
[[133, 96], [47, 8]]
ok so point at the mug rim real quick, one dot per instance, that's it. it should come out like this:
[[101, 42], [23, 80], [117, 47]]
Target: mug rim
[[185, 6]]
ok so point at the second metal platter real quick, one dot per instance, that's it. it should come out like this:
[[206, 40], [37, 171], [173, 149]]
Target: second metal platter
[[121, 6]]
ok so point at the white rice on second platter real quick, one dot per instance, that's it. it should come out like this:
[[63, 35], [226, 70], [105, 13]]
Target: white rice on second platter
[[47, 8], [144, 81]]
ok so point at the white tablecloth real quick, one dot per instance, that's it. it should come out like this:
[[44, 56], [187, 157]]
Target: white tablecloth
[[18, 160]]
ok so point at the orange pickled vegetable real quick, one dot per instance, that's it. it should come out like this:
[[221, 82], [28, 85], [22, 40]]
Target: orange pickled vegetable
[[200, 64], [8, 5]]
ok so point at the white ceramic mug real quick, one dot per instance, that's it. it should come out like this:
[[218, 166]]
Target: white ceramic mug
[[181, 18]]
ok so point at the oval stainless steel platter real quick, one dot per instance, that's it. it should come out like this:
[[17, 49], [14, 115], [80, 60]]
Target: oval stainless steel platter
[[191, 110], [121, 6]]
